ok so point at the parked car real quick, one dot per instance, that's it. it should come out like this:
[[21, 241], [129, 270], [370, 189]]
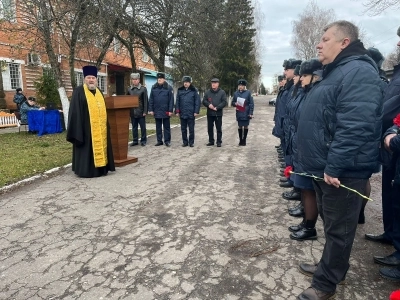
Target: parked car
[[272, 101]]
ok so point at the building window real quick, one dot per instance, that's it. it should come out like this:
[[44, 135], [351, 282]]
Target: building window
[[12, 76], [78, 78], [101, 83], [7, 10]]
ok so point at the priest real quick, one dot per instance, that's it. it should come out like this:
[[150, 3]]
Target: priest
[[88, 129]]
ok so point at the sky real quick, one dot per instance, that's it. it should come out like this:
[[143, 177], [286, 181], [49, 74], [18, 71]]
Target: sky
[[276, 29]]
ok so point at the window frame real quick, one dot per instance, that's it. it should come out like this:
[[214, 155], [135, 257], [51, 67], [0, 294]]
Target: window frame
[[7, 78]]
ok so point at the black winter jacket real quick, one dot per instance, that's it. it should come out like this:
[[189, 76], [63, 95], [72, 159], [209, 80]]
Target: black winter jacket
[[161, 101], [340, 124], [280, 109], [395, 148], [141, 92], [187, 102], [216, 98], [248, 105]]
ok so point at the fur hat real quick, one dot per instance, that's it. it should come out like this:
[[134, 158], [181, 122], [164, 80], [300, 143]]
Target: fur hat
[[160, 75], [292, 63], [186, 79], [297, 70], [376, 55], [309, 66], [135, 76], [242, 82], [89, 71]]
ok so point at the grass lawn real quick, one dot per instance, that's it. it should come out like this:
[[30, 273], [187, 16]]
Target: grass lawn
[[24, 155]]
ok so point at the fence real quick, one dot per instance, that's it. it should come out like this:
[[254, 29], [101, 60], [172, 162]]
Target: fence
[[8, 120]]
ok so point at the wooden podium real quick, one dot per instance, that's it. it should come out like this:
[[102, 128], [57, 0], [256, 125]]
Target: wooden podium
[[118, 114]]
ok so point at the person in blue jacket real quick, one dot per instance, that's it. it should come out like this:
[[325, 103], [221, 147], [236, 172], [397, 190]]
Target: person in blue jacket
[[391, 108], [187, 107], [339, 136], [392, 144], [306, 229], [161, 106], [19, 98], [243, 101]]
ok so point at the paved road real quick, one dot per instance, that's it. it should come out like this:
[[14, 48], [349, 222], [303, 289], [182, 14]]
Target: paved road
[[182, 223]]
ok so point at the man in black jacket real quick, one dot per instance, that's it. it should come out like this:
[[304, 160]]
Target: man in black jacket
[[215, 101], [138, 114], [161, 106], [390, 196], [339, 134], [187, 107]]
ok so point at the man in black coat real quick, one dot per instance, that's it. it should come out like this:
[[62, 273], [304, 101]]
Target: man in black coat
[[138, 114], [215, 101], [88, 129], [390, 195], [161, 106], [187, 107], [339, 136]]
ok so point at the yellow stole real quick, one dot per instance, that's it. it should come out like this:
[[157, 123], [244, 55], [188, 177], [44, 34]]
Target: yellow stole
[[98, 126]]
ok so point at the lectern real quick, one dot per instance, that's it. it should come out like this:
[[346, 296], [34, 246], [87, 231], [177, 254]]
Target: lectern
[[118, 114]]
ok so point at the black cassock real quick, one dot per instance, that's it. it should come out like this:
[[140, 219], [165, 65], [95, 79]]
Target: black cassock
[[79, 134]]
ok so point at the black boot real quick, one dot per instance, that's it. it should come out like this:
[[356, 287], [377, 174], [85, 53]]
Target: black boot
[[245, 136], [308, 232], [240, 132], [304, 234], [295, 228]]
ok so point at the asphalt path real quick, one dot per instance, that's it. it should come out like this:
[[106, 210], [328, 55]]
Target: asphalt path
[[181, 223]]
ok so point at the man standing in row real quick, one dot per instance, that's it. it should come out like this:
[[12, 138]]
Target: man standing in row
[[138, 114], [215, 101], [88, 129], [161, 106], [340, 137], [187, 107]]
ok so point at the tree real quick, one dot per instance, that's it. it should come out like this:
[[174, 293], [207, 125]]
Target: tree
[[307, 30], [3, 104], [195, 52], [236, 57], [375, 7], [263, 90]]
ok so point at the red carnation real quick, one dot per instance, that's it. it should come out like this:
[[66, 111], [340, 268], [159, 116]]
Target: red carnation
[[396, 121], [288, 171], [396, 294]]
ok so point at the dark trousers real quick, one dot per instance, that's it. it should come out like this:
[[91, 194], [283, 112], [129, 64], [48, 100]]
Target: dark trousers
[[185, 123], [339, 210], [142, 122], [160, 123], [388, 201], [396, 219], [218, 125]]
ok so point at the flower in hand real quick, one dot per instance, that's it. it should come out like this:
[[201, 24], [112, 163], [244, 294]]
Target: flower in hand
[[288, 170]]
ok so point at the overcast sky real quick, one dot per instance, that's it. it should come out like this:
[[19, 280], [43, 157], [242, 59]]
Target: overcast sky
[[277, 29]]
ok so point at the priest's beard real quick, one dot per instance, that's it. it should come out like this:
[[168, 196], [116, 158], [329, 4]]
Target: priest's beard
[[92, 87]]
